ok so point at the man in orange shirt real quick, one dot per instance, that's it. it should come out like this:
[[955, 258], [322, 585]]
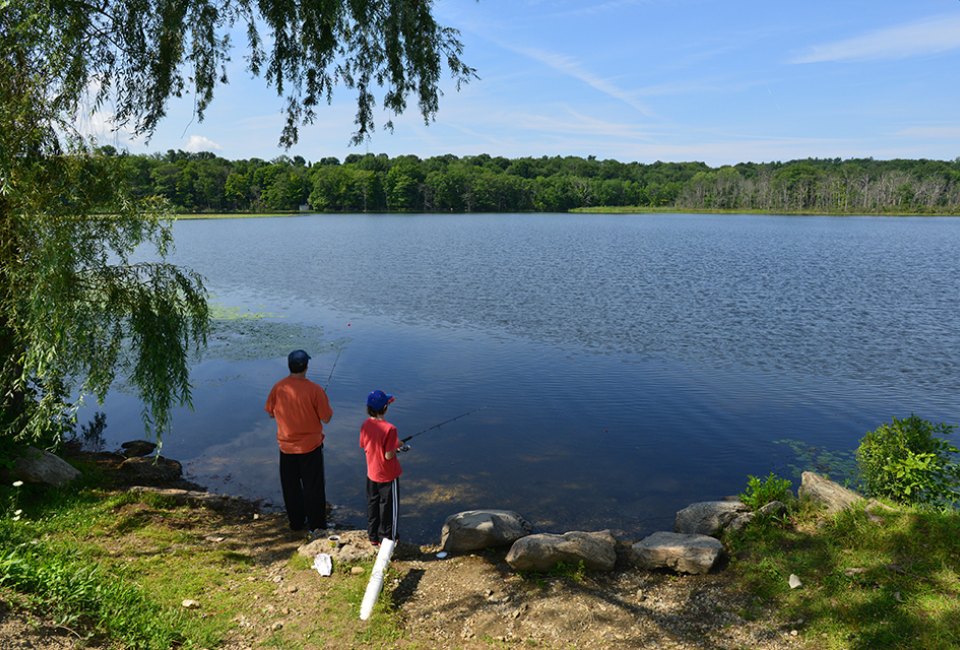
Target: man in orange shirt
[[301, 408]]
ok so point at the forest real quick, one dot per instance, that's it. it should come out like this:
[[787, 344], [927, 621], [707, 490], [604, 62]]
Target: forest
[[203, 182]]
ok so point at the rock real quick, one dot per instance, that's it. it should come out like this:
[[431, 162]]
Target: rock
[[40, 466], [833, 497], [773, 509], [794, 581], [542, 552], [741, 521], [349, 547], [151, 471], [681, 552], [475, 530], [708, 517], [197, 498], [190, 604], [138, 448]]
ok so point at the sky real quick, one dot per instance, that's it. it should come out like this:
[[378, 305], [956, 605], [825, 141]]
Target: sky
[[718, 81]]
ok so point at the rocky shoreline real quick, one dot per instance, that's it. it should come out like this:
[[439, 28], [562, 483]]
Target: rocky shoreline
[[694, 546], [467, 597]]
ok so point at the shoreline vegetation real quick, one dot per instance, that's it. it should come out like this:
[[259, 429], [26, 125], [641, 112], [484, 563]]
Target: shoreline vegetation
[[203, 183], [107, 566], [620, 210]]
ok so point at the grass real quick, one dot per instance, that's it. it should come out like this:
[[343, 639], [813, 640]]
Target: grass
[[116, 567], [883, 579]]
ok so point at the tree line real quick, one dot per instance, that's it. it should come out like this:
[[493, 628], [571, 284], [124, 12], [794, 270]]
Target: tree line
[[204, 182]]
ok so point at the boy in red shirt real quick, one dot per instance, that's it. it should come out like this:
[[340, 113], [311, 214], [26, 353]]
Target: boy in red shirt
[[301, 408], [379, 440]]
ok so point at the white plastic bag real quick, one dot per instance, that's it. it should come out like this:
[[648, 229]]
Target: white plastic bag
[[323, 564]]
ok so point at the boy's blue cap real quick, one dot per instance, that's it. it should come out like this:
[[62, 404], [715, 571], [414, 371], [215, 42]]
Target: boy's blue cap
[[378, 399], [297, 359]]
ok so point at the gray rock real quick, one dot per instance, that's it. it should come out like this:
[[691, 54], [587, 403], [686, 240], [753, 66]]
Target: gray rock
[[681, 552], [741, 521], [474, 530], [346, 547], [155, 470], [134, 448], [40, 466], [542, 552], [831, 496], [708, 517], [196, 498], [773, 509]]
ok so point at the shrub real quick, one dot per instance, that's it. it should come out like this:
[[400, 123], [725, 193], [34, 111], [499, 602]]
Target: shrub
[[908, 461], [760, 492]]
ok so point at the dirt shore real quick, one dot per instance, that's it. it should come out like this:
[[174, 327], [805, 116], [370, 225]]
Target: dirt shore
[[469, 601]]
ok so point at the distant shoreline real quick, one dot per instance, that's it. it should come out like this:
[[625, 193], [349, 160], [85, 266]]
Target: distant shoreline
[[595, 210]]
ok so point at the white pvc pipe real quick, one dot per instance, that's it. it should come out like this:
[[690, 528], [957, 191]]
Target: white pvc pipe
[[376, 579]]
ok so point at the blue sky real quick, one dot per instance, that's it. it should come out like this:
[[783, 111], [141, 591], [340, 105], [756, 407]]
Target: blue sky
[[719, 81]]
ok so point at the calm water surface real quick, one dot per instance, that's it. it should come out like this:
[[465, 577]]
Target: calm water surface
[[625, 365]]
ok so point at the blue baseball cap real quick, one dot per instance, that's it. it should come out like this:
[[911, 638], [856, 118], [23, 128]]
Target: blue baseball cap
[[297, 360], [378, 399]]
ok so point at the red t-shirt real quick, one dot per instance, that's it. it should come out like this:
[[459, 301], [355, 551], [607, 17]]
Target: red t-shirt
[[300, 406], [377, 437]]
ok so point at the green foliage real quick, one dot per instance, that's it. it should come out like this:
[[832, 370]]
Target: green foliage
[[76, 309], [760, 492], [887, 579], [908, 461], [204, 183], [76, 593]]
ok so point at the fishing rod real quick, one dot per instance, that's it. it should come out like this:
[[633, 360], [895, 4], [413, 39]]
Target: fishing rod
[[437, 426], [332, 368]]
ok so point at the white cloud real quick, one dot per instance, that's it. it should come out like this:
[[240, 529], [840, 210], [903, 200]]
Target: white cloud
[[933, 35], [570, 67], [196, 143]]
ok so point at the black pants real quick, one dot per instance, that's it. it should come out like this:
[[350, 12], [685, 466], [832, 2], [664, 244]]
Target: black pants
[[304, 492], [382, 502]]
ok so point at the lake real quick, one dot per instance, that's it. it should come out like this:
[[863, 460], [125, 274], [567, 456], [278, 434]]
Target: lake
[[604, 370]]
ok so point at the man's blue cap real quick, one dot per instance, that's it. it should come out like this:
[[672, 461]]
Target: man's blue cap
[[297, 360], [378, 399]]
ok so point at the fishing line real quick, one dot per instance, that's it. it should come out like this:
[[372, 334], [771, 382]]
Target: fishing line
[[332, 368], [437, 426]]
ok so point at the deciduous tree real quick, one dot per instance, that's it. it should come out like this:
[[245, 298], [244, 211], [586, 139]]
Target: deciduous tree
[[75, 305]]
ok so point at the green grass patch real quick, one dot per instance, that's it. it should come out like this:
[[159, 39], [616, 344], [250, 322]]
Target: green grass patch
[[116, 568], [883, 579]]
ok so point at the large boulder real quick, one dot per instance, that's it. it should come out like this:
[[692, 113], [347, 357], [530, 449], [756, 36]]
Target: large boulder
[[40, 466], [156, 470], [708, 517], [474, 530], [542, 552], [831, 496], [677, 551], [133, 448]]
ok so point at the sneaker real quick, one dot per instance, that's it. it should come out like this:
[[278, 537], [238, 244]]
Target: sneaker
[[374, 543]]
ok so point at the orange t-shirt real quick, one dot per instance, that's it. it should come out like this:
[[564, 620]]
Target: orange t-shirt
[[300, 406]]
